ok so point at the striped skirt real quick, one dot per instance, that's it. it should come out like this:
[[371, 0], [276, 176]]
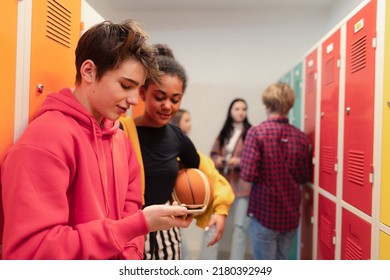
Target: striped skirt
[[163, 245]]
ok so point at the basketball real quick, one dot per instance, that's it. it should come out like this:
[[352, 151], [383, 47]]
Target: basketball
[[192, 188]]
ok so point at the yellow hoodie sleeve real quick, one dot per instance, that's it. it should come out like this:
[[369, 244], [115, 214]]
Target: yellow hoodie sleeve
[[223, 192], [131, 132]]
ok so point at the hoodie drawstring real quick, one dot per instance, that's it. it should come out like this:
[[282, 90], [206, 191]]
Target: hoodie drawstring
[[102, 166]]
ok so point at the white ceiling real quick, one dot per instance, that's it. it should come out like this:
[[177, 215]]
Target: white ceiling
[[131, 5]]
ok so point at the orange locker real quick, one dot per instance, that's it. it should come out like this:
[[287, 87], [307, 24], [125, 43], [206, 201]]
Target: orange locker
[[55, 32], [310, 99], [139, 109], [306, 224], [330, 83], [355, 237], [8, 32], [359, 108], [326, 228]]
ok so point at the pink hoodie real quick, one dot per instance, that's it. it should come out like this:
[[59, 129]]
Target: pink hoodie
[[71, 189]]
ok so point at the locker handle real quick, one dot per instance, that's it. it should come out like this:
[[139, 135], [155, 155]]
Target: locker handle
[[40, 88], [348, 110]]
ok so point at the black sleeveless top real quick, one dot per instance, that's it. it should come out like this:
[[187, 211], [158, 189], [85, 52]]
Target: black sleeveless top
[[160, 148]]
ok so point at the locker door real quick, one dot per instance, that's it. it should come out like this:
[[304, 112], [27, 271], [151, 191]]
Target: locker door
[[385, 188], [326, 228], [297, 86], [329, 112], [359, 108], [355, 237], [384, 246], [310, 100], [55, 32], [306, 224], [8, 32]]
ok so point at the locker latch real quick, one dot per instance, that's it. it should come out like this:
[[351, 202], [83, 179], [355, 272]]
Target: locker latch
[[371, 175], [40, 88]]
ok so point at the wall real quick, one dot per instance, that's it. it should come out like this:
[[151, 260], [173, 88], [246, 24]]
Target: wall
[[89, 16]]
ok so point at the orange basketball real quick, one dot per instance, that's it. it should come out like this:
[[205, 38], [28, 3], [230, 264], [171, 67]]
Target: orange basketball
[[192, 188]]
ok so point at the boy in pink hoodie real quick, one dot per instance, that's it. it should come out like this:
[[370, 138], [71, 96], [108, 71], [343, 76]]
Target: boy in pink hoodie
[[71, 185]]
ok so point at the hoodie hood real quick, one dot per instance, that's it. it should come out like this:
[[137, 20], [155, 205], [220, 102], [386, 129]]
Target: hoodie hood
[[65, 102]]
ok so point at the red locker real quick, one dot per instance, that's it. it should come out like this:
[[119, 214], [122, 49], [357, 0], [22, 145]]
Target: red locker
[[330, 83], [306, 224], [310, 99], [355, 237], [359, 108], [326, 229]]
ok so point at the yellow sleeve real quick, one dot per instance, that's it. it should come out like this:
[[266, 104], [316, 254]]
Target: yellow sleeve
[[223, 193], [131, 132]]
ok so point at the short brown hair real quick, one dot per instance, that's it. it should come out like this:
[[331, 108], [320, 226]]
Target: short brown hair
[[279, 98], [108, 45]]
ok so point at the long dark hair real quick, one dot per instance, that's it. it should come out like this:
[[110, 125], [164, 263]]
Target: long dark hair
[[227, 129]]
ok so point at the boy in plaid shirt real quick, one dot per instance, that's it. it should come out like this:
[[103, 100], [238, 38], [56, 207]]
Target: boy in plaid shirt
[[277, 159]]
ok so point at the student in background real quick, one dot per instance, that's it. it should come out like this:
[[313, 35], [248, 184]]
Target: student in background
[[160, 145], [277, 159], [71, 187], [182, 119], [226, 154]]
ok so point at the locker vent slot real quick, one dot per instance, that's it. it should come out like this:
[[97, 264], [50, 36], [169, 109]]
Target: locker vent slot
[[329, 75], [310, 84], [326, 232], [327, 160], [58, 23], [353, 250], [356, 167], [358, 55]]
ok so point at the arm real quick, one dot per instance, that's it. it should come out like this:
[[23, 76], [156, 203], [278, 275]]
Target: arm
[[216, 155], [251, 157]]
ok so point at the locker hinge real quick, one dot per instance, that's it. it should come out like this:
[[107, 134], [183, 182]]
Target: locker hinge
[[336, 167], [313, 161], [338, 63], [334, 240], [312, 220], [374, 43], [371, 177]]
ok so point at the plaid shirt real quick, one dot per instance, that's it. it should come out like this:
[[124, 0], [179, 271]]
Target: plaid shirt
[[277, 159]]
